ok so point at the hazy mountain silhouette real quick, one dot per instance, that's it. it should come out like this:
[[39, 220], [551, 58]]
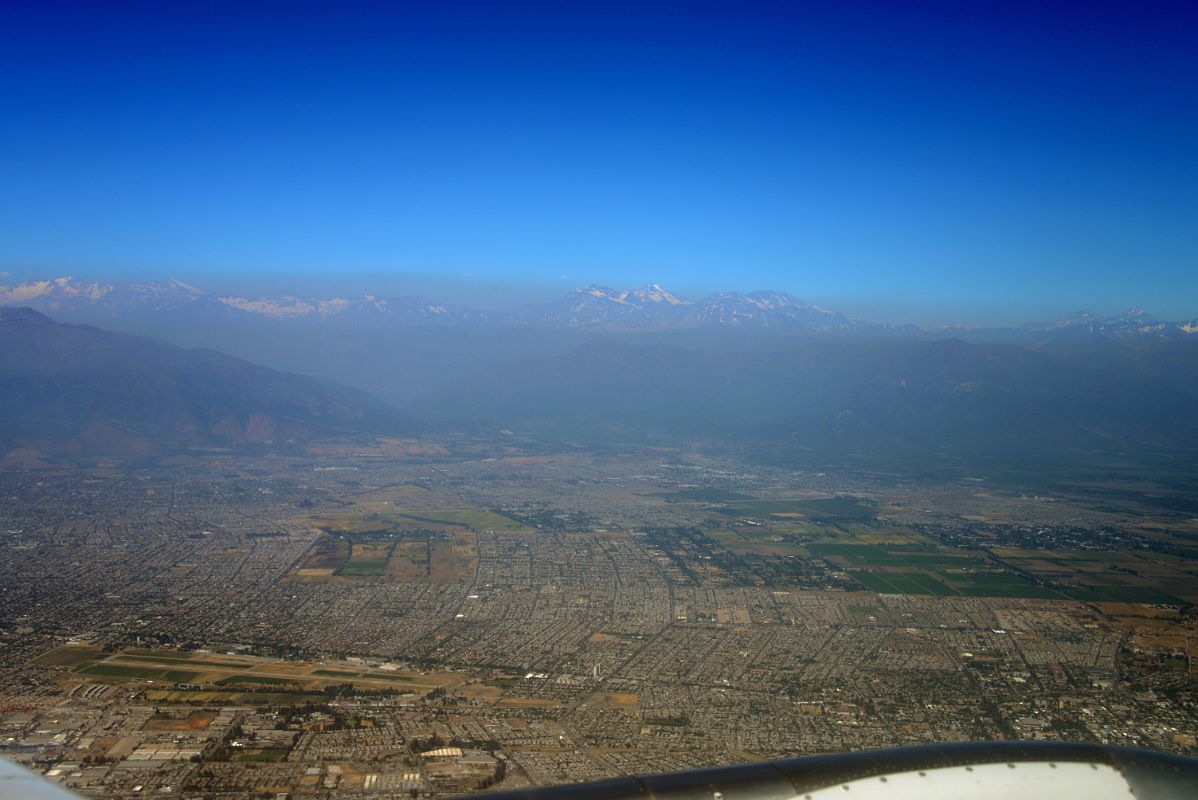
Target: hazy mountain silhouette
[[840, 398], [401, 349], [80, 388], [751, 386]]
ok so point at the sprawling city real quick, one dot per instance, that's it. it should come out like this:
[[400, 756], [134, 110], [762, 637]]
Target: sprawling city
[[586, 400], [429, 618]]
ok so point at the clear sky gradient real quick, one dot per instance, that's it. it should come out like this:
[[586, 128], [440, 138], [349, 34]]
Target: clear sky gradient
[[1028, 158]]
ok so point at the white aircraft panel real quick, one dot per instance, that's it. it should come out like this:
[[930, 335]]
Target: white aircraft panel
[[1026, 781], [18, 783]]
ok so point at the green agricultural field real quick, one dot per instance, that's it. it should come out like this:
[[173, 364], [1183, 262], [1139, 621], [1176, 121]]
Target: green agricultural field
[[998, 584], [134, 656], [830, 509], [118, 671], [838, 508], [282, 680], [353, 522], [232, 679], [901, 583], [911, 555], [367, 559], [951, 584], [475, 519], [871, 533], [266, 755], [1123, 594], [862, 609], [158, 655]]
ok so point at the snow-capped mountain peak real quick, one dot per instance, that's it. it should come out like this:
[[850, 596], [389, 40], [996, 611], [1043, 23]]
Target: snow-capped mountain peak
[[52, 290], [593, 307], [654, 293], [772, 310], [1134, 323]]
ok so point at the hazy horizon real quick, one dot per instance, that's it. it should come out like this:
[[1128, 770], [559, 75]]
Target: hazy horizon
[[497, 295], [952, 164]]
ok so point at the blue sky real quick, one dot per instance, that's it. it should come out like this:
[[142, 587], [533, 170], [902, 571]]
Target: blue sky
[[946, 160]]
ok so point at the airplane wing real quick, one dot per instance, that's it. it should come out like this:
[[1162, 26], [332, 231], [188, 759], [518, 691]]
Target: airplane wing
[[964, 771], [18, 783], [961, 771]]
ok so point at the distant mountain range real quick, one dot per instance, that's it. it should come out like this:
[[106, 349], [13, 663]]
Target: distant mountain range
[[1130, 394], [653, 308], [1134, 323], [842, 399], [591, 308], [762, 371], [79, 389], [68, 298]]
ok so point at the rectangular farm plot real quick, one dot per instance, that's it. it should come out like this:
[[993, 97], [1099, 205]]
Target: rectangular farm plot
[[924, 570], [120, 671], [367, 559], [826, 509], [415, 555]]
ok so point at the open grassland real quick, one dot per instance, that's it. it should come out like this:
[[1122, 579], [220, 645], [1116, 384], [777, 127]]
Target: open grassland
[[69, 655], [366, 559], [257, 679], [1123, 594], [526, 702], [474, 519], [450, 562], [149, 656], [825, 509], [409, 560], [392, 519], [328, 553], [755, 541], [110, 670], [230, 695], [197, 721], [919, 556], [802, 539], [940, 584], [355, 522], [613, 700], [235, 678]]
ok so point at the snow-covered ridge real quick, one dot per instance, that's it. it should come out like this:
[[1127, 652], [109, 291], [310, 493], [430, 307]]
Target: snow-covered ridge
[[653, 293], [593, 307], [64, 287], [646, 295], [1135, 323], [653, 307], [286, 306]]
